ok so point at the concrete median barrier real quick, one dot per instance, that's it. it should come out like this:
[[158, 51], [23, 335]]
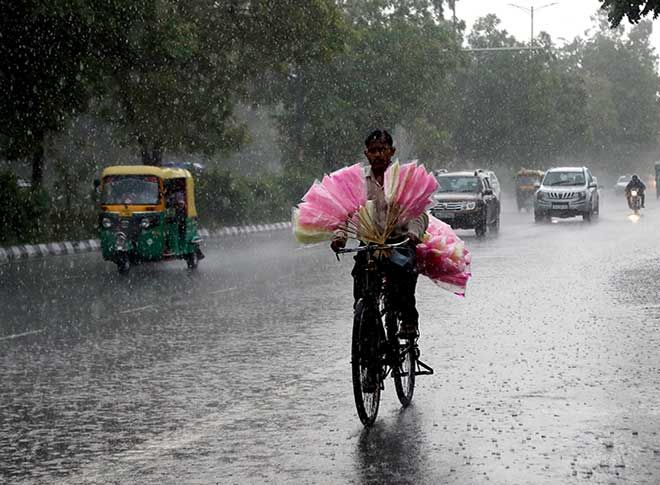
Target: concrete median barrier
[[33, 251]]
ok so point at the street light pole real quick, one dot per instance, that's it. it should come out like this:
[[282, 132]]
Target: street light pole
[[531, 16], [530, 11]]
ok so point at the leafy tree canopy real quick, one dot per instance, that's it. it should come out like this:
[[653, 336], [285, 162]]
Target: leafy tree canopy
[[634, 10]]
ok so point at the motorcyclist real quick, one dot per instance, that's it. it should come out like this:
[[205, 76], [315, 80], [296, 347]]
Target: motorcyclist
[[636, 184], [401, 282]]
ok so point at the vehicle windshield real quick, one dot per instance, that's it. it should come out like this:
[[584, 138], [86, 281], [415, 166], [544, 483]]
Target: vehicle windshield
[[564, 178], [459, 183], [130, 189], [528, 180]]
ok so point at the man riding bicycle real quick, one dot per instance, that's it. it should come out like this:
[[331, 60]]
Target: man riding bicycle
[[400, 273]]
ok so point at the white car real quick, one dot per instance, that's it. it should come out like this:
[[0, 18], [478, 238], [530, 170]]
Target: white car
[[567, 192], [620, 185]]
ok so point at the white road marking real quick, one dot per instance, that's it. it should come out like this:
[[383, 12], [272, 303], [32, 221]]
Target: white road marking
[[311, 246], [133, 310], [224, 290], [33, 332]]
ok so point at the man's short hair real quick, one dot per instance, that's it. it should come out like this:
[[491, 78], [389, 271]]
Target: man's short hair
[[379, 135]]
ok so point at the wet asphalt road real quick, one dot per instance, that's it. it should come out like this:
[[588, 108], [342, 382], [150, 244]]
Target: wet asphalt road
[[548, 372]]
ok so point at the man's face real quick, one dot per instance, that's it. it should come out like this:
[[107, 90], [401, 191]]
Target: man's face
[[379, 153]]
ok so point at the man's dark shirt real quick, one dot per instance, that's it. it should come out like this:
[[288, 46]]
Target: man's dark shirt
[[635, 184]]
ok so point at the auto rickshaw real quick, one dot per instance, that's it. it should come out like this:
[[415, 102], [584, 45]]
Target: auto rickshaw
[[527, 183], [148, 214]]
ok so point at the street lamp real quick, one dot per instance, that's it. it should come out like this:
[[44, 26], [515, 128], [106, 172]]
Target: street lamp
[[530, 11]]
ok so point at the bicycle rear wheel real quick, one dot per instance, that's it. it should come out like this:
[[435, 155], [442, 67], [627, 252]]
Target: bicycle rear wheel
[[365, 363], [404, 373]]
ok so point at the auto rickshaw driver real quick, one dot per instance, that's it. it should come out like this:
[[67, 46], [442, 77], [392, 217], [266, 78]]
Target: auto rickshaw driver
[[139, 223], [527, 182]]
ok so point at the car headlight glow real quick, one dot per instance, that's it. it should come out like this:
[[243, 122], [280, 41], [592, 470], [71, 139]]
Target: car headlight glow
[[107, 223], [471, 205]]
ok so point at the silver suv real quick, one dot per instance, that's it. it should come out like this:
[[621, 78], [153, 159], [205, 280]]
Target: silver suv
[[567, 192]]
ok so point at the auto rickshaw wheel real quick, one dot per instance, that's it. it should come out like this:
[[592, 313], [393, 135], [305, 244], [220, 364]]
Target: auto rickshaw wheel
[[123, 266], [192, 260]]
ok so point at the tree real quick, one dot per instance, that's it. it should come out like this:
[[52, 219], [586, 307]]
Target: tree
[[46, 52], [519, 108], [395, 59], [167, 72], [623, 83], [181, 66], [635, 10]]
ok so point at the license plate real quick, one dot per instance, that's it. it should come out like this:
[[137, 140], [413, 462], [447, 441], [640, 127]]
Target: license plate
[[560, 206], [443, 215]]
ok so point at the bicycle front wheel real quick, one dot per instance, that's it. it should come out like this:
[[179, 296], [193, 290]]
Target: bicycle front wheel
[[404, 373], [365, 363]]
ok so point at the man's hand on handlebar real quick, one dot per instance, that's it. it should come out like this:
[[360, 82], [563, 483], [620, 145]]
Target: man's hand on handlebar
[[338, 244], [413, 238]]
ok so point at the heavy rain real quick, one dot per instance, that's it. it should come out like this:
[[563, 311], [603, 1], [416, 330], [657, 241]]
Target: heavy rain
[[214, 217]]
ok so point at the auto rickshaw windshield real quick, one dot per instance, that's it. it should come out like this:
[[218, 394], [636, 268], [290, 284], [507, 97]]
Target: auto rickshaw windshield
[[130, 189], [528, 179]]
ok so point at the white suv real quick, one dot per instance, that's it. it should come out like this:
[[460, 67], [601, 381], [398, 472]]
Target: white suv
[[567, 192]]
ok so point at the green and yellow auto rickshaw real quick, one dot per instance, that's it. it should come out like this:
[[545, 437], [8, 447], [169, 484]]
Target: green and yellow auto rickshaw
[[148, 214], [527, 183]]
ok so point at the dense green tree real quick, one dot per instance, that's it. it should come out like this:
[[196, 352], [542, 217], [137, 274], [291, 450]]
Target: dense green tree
[[634, 10], [166, 72], [519, 107], [622, 83], [396, 58], [46, 50], [184, 64]]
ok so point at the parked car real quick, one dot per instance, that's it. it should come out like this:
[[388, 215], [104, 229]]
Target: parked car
[[467, 200], [567, 192], [620, 185]]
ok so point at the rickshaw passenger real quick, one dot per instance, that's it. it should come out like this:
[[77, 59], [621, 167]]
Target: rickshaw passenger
[[180, 212]]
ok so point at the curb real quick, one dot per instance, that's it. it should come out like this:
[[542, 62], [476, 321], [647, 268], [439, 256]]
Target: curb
[[34, 251]]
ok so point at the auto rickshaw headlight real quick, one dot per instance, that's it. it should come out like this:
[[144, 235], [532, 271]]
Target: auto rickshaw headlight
[[107, 223], [144, 223]]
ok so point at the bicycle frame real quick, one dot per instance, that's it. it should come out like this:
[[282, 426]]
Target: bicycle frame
[[374, 298], [378, 350]]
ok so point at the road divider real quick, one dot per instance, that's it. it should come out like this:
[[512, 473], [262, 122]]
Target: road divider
[[33, 251]]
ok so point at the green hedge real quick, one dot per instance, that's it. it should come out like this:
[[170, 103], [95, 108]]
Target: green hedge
[[22, 211], [223, 198]]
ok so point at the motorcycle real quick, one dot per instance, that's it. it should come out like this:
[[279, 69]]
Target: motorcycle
[[635, 202]]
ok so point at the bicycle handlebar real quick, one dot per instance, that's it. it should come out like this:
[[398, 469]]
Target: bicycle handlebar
[[371, 247]]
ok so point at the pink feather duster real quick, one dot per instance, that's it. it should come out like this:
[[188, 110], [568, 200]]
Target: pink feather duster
[[443, 257]]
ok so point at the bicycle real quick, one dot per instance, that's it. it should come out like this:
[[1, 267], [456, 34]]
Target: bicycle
[[377, 350]]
